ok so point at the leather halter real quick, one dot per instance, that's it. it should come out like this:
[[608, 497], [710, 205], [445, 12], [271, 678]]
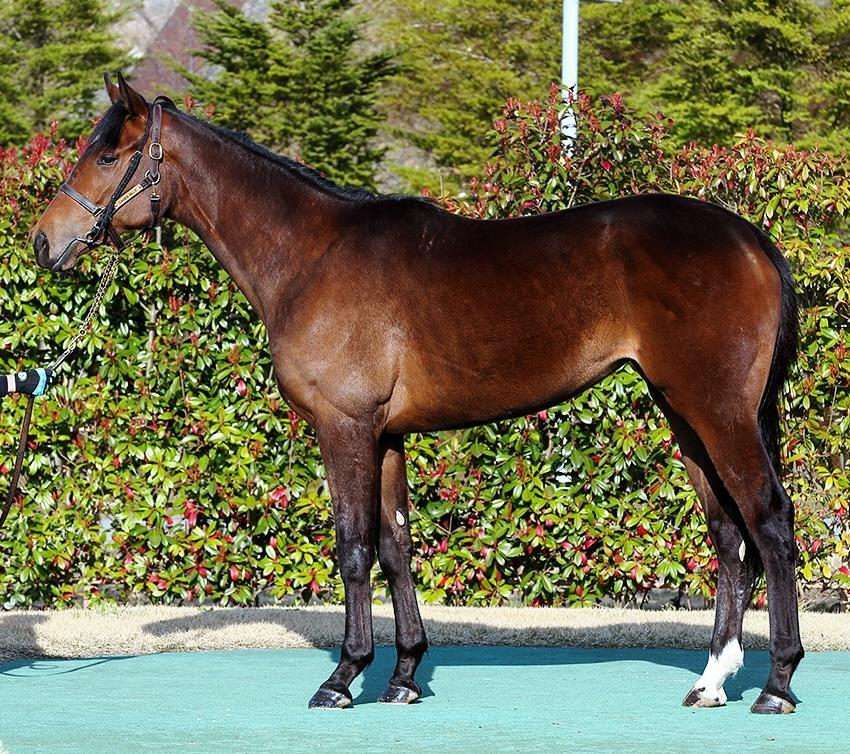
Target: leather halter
[[103, 229]]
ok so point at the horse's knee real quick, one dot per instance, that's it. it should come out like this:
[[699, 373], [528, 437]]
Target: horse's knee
[[355, 563], [394, 557]]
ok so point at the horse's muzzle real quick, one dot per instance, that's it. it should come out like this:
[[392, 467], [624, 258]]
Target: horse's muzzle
[[42, 249]]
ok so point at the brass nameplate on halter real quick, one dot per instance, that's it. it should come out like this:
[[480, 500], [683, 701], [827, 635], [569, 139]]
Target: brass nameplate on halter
[[135, 191]]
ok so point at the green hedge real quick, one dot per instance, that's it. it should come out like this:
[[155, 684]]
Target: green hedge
[[166, 467]]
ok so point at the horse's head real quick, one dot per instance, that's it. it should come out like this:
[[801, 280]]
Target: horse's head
[[106, 192]]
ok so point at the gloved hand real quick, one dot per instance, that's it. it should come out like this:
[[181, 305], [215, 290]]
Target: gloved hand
[[31, 382]]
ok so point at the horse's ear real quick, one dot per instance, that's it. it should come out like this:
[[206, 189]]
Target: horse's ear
[[111, 89], [133, 101]]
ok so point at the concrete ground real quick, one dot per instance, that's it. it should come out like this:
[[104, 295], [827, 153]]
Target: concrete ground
[[533, 680], [476, 699]]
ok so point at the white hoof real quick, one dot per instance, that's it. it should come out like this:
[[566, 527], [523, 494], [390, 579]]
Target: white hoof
[[700, 697]]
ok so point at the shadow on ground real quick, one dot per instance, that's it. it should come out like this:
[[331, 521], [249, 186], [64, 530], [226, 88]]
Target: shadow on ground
[[442, 633]]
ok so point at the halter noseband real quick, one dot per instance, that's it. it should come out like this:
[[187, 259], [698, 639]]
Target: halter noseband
[[103, 229]]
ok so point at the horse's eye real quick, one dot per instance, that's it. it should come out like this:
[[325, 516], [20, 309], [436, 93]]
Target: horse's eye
[[107, 159]]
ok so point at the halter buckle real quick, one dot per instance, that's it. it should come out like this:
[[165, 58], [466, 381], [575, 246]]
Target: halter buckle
[[154, 179], [155, 151]]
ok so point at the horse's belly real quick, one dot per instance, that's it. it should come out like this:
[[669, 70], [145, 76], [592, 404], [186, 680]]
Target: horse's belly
[[449, 389]]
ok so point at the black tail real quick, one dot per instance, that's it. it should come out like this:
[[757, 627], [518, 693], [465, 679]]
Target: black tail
[[784, 351]]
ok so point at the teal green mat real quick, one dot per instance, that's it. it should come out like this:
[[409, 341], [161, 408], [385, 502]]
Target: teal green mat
[[476, 699]]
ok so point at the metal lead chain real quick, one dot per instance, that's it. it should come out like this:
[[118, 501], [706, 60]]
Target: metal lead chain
[[85, 326]]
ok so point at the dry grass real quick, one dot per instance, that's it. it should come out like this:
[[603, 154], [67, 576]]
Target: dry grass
[[144, 630]]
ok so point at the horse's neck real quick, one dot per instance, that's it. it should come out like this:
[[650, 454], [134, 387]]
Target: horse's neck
[[263, 224]]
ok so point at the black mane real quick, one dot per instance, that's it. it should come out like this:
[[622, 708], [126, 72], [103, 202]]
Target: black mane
[[312, 176]]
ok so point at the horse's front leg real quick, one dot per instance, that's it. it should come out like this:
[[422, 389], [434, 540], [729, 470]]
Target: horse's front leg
[[350, 451], [394, 551]]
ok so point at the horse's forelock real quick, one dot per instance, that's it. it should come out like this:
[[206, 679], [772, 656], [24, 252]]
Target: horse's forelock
[[107, 130]]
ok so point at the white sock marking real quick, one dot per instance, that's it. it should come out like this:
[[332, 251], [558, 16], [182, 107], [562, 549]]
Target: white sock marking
[[718, 669], [399, 517]]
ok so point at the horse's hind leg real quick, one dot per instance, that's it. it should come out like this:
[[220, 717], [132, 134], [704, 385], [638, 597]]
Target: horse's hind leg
[[738, 566], [744, 465], [738, 454], [394, 553]]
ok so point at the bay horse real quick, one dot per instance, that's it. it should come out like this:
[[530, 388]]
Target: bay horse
[[388, 315]]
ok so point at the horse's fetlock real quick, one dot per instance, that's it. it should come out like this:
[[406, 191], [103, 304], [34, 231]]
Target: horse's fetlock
[[788, 656], [359, 657], [416, 648]]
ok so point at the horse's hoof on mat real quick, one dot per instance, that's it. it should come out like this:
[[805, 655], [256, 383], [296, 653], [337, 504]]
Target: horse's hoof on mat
[[399, 695], [770, 704], [699, 698], [329, 699]]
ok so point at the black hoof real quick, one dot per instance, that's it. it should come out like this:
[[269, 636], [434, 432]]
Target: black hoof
[[394, 694], [329, 699], [770, 704], [699, 698]]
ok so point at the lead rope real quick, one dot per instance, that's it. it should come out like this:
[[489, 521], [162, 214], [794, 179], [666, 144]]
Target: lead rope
[[85, 326], [44, 377]]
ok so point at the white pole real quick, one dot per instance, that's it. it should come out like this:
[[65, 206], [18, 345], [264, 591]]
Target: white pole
[[569, 68]]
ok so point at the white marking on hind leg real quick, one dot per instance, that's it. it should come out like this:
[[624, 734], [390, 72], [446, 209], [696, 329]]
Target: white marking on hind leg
[[717, 671], [742, 550]]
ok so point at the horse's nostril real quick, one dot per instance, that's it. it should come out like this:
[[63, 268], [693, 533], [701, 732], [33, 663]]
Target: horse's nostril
[[41, 246]]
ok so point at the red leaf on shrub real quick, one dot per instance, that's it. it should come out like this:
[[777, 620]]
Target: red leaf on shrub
[[234, 573], [190, 512], [280, 497]]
